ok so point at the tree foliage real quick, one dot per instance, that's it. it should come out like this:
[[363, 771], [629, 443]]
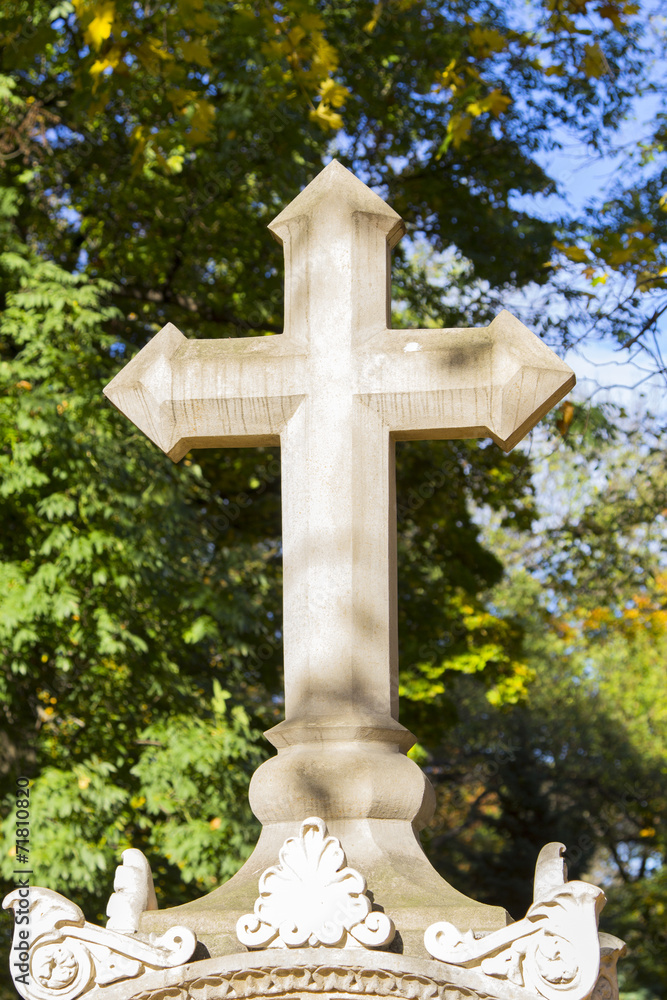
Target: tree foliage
[[582, 759]]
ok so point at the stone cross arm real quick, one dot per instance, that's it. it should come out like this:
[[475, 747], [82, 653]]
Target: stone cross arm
[[336, 390], [496, 381]]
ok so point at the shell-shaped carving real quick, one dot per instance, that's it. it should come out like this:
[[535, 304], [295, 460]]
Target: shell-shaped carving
[[313, 898]]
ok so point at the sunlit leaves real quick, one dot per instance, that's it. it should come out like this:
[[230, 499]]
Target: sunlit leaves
[[331, 95], [197, 52], [495, 103], [485, 41], [128, 585], [109, 61], [98, 19]]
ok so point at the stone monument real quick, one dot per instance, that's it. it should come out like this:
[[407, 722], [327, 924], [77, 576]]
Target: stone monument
[[338, 897]]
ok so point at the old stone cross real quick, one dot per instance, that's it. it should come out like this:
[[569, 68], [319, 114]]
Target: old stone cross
[[336, 390]]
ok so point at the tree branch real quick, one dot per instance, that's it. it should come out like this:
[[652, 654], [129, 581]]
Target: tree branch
[[205, 312]]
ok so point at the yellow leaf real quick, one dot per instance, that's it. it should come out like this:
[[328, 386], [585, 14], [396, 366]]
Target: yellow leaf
[[495, 102], [576, 254], [333, 93], [566, 418], [201, 122], [458, 129], [621, 256], [325, 57], [594, 63], [215, 823], [558, 70], [663, 202], [180, 99], [296, 35], [450, 78], [83, 782], [486, 40], [371, 25], [151, 54], [615, 12], [311, 21], [196, 52], [109, 61], [175, 164], [326, 117], [99, 28]]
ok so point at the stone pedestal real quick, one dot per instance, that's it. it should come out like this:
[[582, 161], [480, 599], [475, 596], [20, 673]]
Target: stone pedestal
[[374, 799]]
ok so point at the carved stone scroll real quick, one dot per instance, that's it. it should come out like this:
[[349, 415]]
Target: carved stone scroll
[[312, 898], [67, 957], [553, 952]]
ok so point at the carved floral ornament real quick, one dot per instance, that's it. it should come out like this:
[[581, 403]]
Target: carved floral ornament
[[314, 901], [312, 898]]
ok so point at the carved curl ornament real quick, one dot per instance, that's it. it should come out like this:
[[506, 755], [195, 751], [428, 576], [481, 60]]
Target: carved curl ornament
[[554, 952], [312, 898], [66, 956]]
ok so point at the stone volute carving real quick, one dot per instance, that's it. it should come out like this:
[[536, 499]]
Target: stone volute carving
[[312, 898], [553, 952], [67, 957]]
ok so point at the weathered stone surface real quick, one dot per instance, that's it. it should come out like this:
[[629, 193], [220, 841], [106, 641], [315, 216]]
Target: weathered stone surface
[[313, 899], [345, 973], [133, 893], [336, 390]]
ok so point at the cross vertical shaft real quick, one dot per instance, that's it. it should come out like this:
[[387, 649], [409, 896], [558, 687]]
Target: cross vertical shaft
[[337, 464]]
